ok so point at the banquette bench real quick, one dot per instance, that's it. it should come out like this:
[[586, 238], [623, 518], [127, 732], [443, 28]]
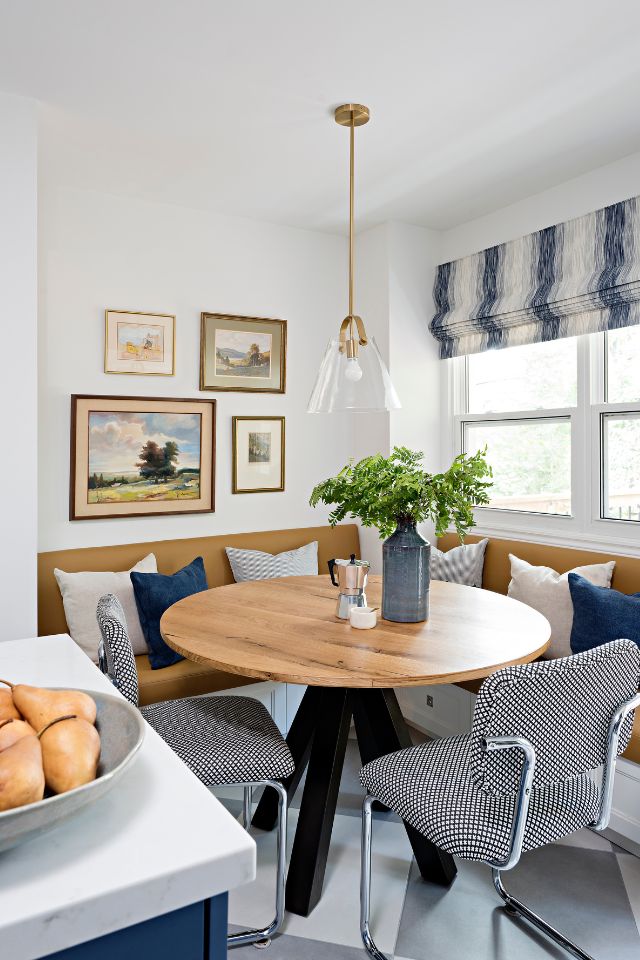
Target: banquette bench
[[183, 679], [497, 574], [189, 679]]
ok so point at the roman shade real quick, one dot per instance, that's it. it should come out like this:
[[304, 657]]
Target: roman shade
[[582, 276]]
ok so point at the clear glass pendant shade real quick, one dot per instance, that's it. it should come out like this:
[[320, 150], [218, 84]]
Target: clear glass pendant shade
[[361, 383]]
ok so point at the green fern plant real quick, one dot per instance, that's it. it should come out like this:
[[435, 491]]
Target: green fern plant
[[384, 491]]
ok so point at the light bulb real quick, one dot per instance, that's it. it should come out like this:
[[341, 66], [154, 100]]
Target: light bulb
[[353, 370]]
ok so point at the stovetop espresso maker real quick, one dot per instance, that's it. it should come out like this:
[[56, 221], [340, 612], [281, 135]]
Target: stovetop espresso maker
[[352, 580]]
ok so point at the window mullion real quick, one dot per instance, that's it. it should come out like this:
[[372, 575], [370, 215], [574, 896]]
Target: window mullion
[[588, 379]]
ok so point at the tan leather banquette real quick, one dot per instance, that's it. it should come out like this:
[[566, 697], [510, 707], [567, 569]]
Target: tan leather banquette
[[185, 678], [497, 574], [188, 679]]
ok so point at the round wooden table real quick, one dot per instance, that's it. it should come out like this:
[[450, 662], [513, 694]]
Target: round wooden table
[[286, 630]]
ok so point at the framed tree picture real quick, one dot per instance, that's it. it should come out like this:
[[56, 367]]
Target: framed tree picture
[[242, 353], [139, 343], [141, 456], [258, 454]]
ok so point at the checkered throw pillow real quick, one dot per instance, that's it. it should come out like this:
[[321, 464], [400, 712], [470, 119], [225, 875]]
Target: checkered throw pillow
[[257, 565], [460, 564]]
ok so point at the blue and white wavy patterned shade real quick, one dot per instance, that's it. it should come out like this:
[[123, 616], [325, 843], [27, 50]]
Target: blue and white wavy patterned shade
[[582, 276]]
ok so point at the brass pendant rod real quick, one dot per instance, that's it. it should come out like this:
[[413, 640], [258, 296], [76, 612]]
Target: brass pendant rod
[[351, 209], [352, 115]]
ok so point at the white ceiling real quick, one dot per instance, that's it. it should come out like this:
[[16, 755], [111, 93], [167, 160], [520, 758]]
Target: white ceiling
[[228, 106]]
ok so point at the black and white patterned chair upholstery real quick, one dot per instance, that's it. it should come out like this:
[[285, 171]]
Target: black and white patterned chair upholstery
[[431, 787], [463, 798], [221, 739], [116, 651]]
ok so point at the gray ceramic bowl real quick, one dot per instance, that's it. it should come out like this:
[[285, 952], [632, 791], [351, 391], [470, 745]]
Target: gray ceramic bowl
[[121, 730]]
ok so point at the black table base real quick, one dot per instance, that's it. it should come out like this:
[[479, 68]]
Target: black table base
[[318, 742]]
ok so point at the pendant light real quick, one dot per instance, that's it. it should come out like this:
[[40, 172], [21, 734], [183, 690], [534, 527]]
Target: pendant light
[[352, 375]]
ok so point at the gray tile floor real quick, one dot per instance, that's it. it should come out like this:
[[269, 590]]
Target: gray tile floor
[[585, 885]]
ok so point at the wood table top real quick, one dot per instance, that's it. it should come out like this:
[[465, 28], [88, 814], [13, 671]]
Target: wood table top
[[286, 630]]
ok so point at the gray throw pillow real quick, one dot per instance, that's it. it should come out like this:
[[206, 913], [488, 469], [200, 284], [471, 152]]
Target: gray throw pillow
[[462, 564], [256, 565]]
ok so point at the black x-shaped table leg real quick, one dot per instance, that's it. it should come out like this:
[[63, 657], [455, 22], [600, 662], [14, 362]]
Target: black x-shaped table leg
[[318, 741]]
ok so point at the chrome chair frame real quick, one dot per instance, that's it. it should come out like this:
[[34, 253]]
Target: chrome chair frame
[[515, 908], [260, 937]]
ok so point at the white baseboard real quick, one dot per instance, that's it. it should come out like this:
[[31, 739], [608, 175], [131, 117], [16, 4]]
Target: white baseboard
[[625, 814], [439, 711]]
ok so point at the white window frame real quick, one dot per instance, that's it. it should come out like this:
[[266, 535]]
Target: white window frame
[[585, 527]]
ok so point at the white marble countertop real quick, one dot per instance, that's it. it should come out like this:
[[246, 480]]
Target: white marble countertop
[[157, 842]]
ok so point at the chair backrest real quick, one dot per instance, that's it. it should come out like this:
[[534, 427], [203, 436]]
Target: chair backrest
[[562, 707], [121, 662]]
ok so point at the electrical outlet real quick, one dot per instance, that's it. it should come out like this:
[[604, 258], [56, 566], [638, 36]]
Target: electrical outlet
[[429, 700]]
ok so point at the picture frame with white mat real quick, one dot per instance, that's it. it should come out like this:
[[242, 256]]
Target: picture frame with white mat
[[258, 445]]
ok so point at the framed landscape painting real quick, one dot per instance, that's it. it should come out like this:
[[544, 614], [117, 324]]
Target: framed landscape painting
[[137, 457], [139, 343], [242, 353], [258, 454]]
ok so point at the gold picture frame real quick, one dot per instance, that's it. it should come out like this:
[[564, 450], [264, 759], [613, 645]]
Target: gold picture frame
[[242, 354], [137, 343], [141, 456], [258, 455]]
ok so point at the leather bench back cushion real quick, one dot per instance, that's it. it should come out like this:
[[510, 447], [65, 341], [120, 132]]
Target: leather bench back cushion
[[182, 679], [497, 574]]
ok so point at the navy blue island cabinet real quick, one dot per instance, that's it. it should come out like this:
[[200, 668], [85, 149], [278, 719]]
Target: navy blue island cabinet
[[196, 932]]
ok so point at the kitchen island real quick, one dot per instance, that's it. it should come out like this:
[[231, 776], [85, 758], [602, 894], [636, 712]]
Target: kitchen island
[[142, 872]]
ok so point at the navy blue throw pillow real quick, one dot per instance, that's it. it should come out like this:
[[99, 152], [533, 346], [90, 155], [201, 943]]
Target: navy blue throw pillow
[[155, 593], [599, 614]]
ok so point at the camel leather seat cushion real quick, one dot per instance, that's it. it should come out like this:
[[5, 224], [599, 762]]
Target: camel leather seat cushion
[[182, 679], [496, 576]]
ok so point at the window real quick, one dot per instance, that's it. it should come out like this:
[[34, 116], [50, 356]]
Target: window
[[622, 361], [621, 466], [561, 423], [531, 461], [532, 377]]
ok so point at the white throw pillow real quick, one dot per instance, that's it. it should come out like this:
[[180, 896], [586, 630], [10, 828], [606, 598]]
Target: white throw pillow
[[463, 564], [256, 565], [80, 595], [547, 591]]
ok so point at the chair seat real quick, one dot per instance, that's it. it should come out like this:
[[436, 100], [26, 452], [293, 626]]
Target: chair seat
[[222, 739], [430, 787]]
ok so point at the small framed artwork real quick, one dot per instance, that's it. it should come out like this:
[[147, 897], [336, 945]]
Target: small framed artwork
[[141, 457], [139, 343], [258, 454], [242, 353]]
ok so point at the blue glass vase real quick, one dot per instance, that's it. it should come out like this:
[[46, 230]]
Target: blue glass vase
[[405, 575]]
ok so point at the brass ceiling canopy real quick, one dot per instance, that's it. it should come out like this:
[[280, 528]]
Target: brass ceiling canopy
[[352, 115]]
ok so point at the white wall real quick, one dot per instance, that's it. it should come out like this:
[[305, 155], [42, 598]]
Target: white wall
[[99, 251], [573, 198], [18, 379], [370, 432], [396, 267]]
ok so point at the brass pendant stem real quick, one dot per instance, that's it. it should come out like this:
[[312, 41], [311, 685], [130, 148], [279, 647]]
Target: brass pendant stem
[[351, 214], [352, 115]]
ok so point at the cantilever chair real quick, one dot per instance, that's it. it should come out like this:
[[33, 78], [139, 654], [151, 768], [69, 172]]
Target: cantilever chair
[[523, 777], [223, 740]]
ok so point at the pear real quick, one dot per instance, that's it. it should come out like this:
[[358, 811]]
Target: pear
[[70, 753], [13, 730], [8, 710], [39, 706], [21, 774]]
